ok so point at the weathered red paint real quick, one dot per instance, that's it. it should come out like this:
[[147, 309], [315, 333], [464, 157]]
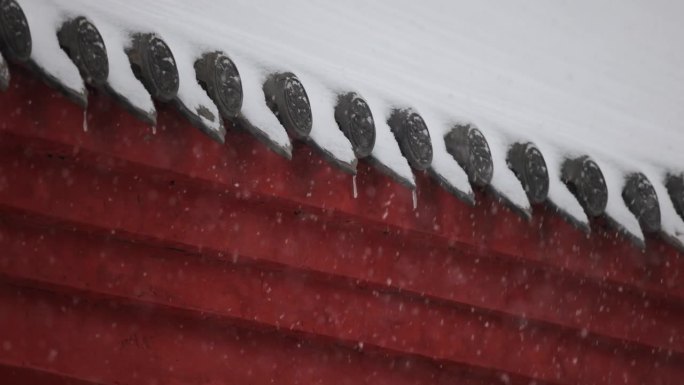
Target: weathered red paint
[[115, 343], [325, 306], [174, 225], [267, 233]]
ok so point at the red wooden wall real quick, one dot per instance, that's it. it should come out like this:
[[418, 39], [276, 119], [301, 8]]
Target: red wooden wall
[[128, 257]]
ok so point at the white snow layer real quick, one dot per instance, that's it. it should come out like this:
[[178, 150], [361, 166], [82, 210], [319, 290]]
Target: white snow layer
[[616, 209], [190, 93], [44, 20], [254, 107], [386, 150], [504, 180], [121, 79], [324, 130], [443, 164], [602, 78], [559, 194]]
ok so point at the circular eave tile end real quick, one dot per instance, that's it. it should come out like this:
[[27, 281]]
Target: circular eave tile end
[[4, 75], [641, 199], [675, 188], [585, 180], [154, 65], [81, 40], [220, 78], [287, 98], [15, 35], [528, 164], [469, 148], [354, 117], [413, 137]]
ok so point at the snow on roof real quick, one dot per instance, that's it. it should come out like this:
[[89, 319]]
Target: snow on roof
[[121, 81], [578, 78], [46, 53]]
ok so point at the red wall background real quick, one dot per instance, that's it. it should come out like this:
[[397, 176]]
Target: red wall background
[[128, 257]]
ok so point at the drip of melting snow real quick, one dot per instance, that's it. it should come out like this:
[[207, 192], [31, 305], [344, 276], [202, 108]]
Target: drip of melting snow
[[154, 129], [354, 186], [414, 194], [85, 119]]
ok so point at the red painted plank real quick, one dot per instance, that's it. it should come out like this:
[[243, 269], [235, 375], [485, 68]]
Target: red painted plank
[[288, 300], [114, 343], [246, 168], [141, 210]]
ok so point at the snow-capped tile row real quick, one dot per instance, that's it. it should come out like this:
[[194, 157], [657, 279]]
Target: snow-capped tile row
[[210, 85]]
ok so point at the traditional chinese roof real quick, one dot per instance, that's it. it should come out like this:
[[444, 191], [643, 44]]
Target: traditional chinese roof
[[441, 144], [74, 45]]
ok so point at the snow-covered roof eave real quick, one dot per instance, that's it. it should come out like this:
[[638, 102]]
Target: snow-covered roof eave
[[483, 84]]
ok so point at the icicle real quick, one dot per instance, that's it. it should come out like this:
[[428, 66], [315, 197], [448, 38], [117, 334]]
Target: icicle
[[415, 199], [354, 185], [85, 119], [154, 129]]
